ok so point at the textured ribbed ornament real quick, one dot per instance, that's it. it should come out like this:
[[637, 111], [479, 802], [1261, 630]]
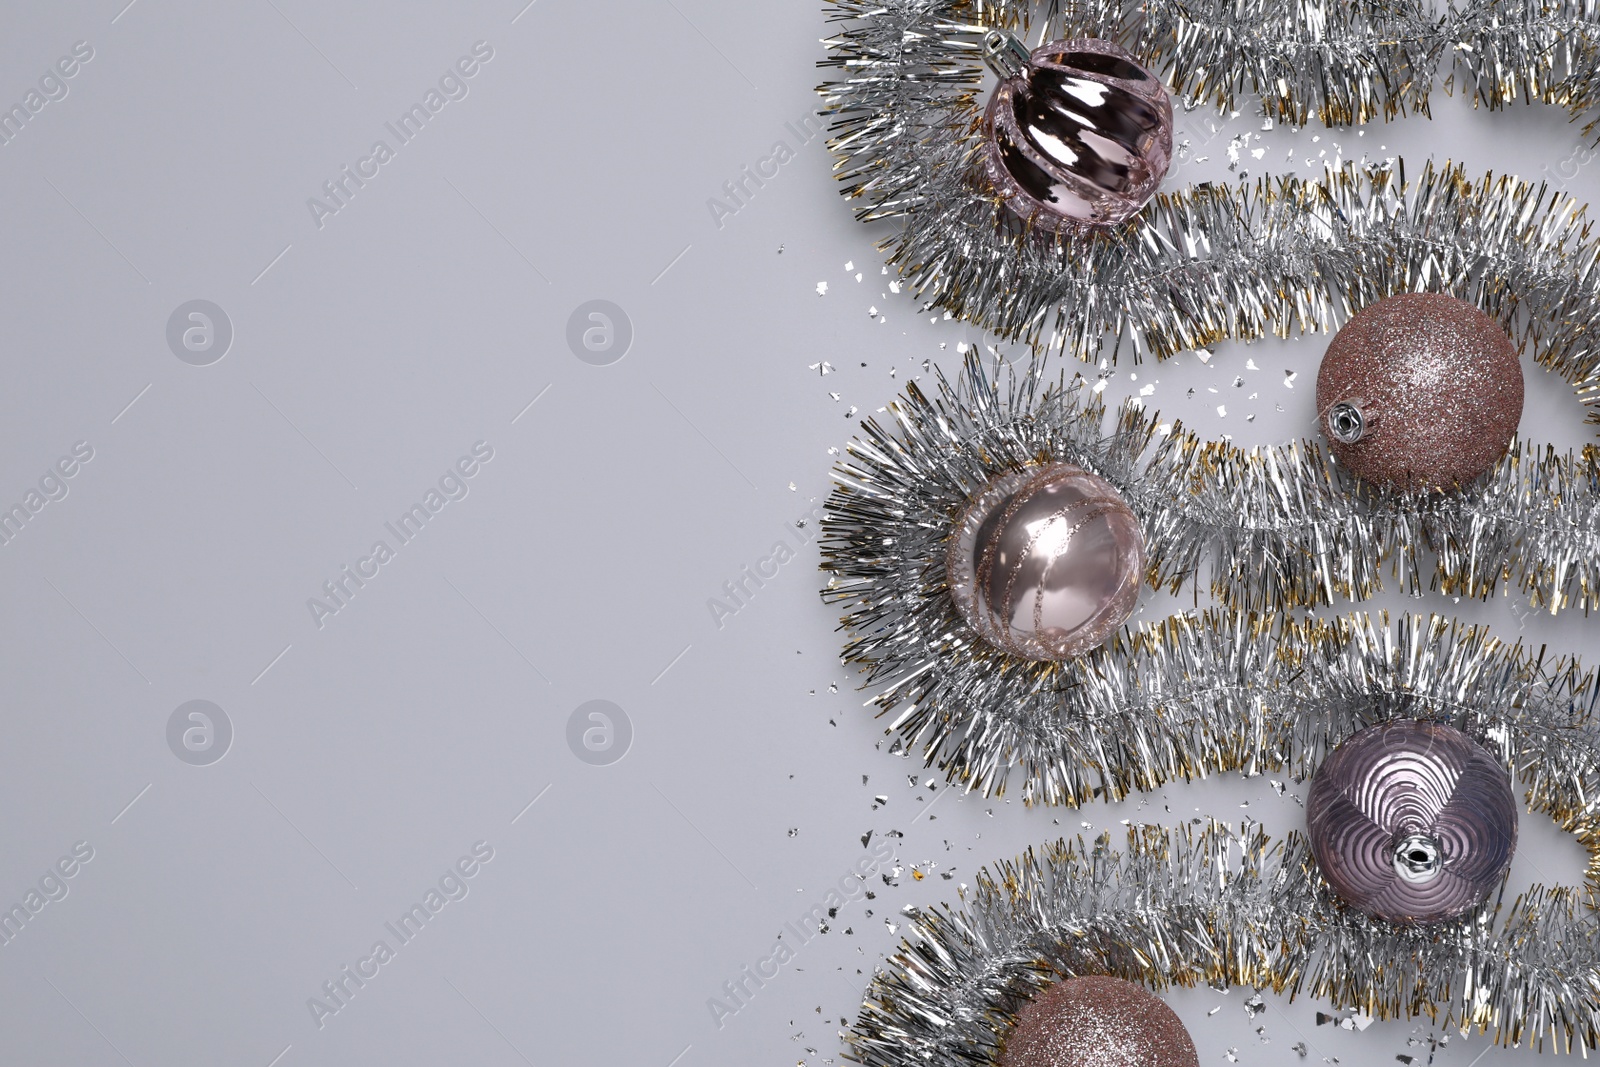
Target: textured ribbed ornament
[[1097, 1021], [1420, 391], [1412, 822], [1076, 134], [1046, 562]]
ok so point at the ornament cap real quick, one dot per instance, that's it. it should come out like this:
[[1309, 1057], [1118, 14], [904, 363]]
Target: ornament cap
[[1005, 54], [1347, 422], [1417, 858]]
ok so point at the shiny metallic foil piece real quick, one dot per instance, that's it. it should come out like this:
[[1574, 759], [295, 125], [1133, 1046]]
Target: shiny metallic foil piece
[[1082, 136], [1412, 821], [1436, 387], [1046, 563], [1097, 1021]]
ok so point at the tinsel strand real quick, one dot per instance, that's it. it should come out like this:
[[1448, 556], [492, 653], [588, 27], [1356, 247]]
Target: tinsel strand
[[1226, 908], [1210, 263], [1199, 692], [1264, 529]]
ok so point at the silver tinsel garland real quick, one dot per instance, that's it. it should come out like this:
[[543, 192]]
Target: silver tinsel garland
[[1201, 692], [1337, 63], [1223, 908], [1214, 262], [1241, 688]]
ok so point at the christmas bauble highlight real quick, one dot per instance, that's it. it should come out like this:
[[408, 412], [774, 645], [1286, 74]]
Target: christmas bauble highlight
[[1420, 392], [1412, 822], [1076, 134], [1097, 1021], [1046, 562]]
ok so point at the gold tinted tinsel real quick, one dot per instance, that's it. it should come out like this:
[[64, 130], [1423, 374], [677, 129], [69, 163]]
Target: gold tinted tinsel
[[1275, 527], [1331, 61], [1225, 908], [1211, 262]]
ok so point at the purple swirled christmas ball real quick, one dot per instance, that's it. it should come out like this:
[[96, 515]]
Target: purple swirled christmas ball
[[1076, 134], [1097, 1021], [1412, 822], [1046, 562]]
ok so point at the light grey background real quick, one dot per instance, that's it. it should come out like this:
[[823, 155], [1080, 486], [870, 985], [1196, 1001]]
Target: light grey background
[[368, 355]]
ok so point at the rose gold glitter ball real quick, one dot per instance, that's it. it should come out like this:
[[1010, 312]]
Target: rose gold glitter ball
[[1420, 391], [1097, 1021]]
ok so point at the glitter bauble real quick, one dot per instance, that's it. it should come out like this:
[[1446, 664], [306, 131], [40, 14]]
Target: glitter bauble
[[1096, 1021], [1077, 132], [1412, 822], [1045, 563], [1420, 391]]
